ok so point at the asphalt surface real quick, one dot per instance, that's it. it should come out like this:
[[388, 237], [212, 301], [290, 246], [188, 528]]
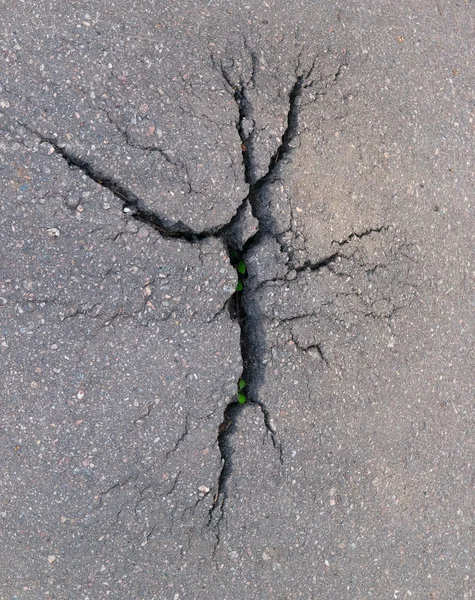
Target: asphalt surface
[[153, 158]]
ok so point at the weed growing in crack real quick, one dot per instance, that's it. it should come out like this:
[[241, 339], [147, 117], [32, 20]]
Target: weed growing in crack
[[241, 397], [241, 305], [250, 339], [241, 270]]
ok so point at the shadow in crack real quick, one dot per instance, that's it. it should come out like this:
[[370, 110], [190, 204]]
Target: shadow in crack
[[245, 306]]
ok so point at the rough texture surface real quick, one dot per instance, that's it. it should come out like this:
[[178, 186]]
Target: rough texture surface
[[152, 157], [118, 363]]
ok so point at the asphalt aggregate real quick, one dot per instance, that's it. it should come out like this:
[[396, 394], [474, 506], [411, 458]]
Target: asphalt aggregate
[[237, 321]]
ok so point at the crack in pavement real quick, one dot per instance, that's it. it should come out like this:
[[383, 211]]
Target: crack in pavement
[[242, 302], [247, 310], [355, 235], [133, 205]]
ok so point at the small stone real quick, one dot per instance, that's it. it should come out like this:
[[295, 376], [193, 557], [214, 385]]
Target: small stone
[[53, 232], [132, 227], [72, 200], [46, 148], [203, 489], [51, 559], [4, 104]]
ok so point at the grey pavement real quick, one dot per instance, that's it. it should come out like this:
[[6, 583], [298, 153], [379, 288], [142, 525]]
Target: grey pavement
[[198, 193]]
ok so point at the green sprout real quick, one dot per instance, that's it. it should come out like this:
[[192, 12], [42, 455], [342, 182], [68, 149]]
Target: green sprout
[[239, 286], [241, 267], [241, 397]]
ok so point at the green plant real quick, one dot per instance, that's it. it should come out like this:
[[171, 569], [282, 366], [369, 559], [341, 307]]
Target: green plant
[[241, 396], [241, 269]]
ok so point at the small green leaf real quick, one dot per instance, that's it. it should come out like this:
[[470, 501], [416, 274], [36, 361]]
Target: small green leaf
[[241, 398], [239, 286], [241, 384], [241, 267]]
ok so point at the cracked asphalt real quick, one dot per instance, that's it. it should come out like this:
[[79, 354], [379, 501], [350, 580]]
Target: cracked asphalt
[[148, 152]]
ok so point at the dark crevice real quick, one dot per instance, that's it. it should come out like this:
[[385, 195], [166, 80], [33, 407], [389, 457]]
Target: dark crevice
[[225, 432], [290, 132], [244, 306], [318, 348], [133, 205], [233, 306]]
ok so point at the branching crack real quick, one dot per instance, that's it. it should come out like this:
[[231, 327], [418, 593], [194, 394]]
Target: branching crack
[[145, 147], [272, 430], [244, 301], [247, 310], [132, 204], [312, 348]]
